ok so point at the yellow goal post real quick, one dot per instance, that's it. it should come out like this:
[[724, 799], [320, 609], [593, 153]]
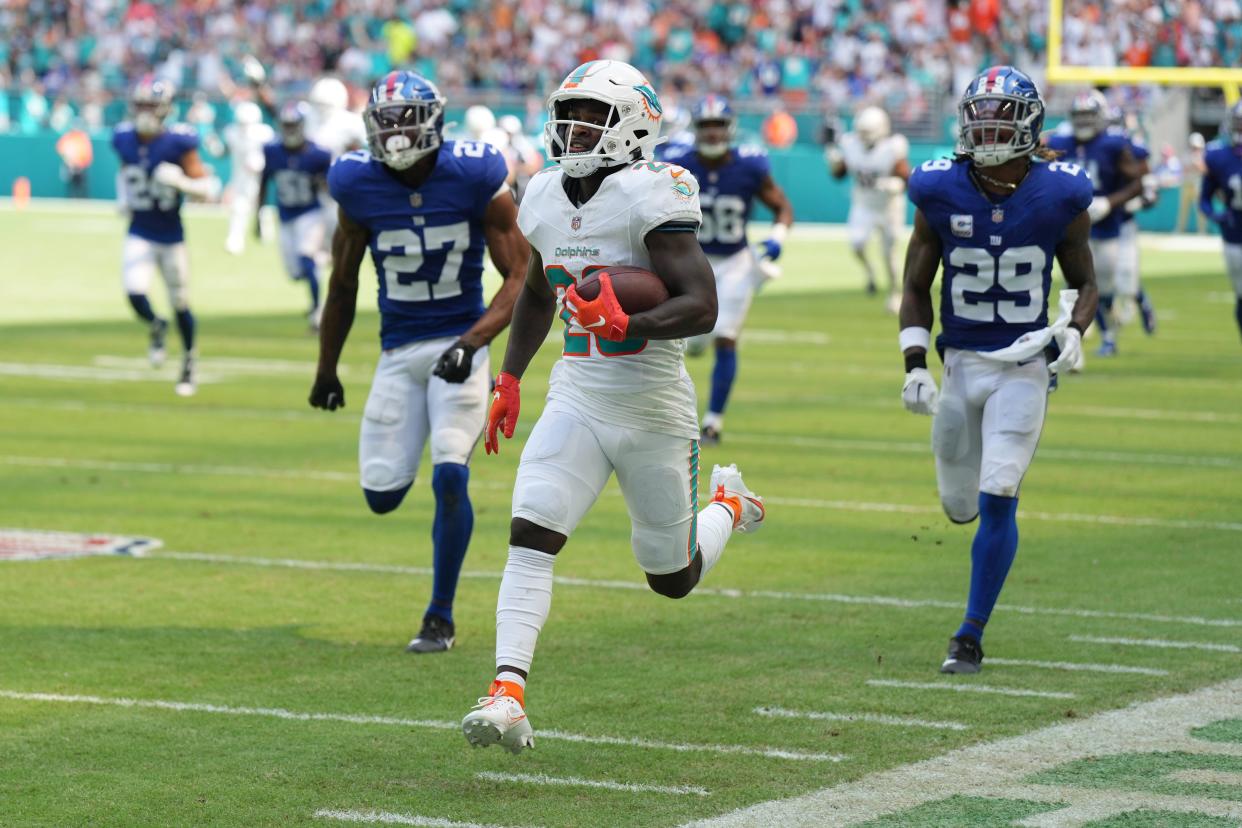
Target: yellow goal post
[[1229, 80]]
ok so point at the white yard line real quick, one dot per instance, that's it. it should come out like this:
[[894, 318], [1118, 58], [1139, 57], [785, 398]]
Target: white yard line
[[1152, 414], [75, 373], [718, 592], [1202, 776], [578, 782], [1157, 726], [985, 689], [1158, 642], [100, 406], [870, 718], [1075, 666], [354, 718], [795, 502], [390, 818]]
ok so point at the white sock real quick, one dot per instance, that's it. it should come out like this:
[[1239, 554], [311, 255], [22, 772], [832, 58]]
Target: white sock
[[522, 606], [508, 675], [714, 529]]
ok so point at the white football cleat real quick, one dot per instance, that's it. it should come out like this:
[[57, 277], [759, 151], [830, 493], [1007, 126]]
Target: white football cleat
[[187, 384], [747, 507], [498, 720]]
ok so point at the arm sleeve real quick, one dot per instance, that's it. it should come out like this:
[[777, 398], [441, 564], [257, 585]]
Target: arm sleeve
[[669, 195]]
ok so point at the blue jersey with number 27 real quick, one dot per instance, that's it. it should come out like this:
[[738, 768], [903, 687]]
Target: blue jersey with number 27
[[154, 208], [726, 194], [427, 243], [298, 175], [997, 255]]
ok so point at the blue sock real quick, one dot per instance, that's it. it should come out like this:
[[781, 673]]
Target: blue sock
[[311, 278], [141, 306], [723, 374], [450, 534], [991, 555], [1237, 313], [185, 324], [384, 502], [1141, 298], [1102, 311]]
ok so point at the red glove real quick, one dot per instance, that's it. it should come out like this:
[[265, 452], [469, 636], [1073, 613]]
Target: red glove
[[602, 315], [506, 401]]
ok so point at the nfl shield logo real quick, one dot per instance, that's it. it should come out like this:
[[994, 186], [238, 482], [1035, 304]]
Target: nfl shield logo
[[575, 223], [998, 215], [416, 200]]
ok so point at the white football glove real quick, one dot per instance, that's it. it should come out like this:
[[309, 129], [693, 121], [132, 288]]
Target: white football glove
[[920, 393], [1070, 342]]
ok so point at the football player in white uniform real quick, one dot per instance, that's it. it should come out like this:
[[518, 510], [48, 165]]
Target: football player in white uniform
[[879, 164], [244, 138], [620, 399], [336, 128]]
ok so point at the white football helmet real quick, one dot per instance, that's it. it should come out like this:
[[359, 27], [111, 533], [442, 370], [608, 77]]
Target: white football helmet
[[872, 125], [479, 121], [511, 124], [631, 130], [328, 94], [247, 113]]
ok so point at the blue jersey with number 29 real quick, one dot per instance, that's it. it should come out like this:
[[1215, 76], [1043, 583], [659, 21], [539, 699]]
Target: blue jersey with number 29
[[154, 208], [726, 194], [997, 255], [427, 243]]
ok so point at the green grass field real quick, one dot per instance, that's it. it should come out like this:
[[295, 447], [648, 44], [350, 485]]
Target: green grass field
[[251, 672]]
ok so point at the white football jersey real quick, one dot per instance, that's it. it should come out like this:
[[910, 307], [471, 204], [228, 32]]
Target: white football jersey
[[866, 166], [339, 132], [245, 145], [637, 383]]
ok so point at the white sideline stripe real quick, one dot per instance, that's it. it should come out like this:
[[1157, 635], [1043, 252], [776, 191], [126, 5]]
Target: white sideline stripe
[[1203, 776], [1158, 726], [578, 782], [1075, 666], [389, 818], [353, 718], [970, 688], [719, 592], [871, 718], [1158, 642], [796, 502]]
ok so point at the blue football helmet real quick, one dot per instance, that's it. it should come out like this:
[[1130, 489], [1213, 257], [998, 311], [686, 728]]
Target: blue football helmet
[[999, 117], [1089, 115], [151, 101], [404, 119], [1233, 125], [292, 121], [709, 113]]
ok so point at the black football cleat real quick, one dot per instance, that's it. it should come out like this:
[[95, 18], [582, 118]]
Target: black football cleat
[[965, 656], [709, 436], [155, 349], [436, 636]]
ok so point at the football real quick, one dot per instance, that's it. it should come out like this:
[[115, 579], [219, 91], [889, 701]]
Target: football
[[637, 290]]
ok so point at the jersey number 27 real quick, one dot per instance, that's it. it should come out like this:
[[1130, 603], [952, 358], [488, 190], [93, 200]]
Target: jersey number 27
[[412, 271]]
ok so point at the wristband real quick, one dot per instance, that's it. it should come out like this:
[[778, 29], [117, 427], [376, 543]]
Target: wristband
[[1078, 328], [916, 360], [914, 337]]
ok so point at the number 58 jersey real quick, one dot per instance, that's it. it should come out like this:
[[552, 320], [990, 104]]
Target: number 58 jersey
[[636, 383], [427, 243], [997, 255]]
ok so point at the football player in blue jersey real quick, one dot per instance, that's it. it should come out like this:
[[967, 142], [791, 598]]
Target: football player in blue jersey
[[731, 178], [1116, 176], [995, 217], [426, 208], [300, 170], [1223, 160], [159, 164], [1128, 238]]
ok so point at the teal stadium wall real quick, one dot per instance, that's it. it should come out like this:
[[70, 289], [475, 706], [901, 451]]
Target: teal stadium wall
[[800, 170]]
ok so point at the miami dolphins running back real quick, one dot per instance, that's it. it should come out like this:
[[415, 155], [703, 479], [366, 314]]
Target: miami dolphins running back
[[299, 169], [159, 165], [425, 208], [731, 178], [994, 218], [1224, 179]]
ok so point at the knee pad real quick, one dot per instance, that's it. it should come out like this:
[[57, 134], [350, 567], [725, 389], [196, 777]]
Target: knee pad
[[451, 446], [949, 438], [382, 476], [383, 502]]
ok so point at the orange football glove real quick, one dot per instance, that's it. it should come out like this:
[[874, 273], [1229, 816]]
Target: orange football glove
[[506, 402], [602, 315]]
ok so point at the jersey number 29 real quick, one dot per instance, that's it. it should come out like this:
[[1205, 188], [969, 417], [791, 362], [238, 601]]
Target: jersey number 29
[[1019, 271]]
